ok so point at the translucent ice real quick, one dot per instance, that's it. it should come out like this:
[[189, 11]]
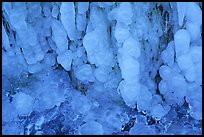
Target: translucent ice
[[84, 72], [141, 129], [121, 32], [194, 13], [182, 41], [184, 61], [101, 68], [65, 59], [132, 47], [83, 7], [130, 93], [196, 53], [17, 16], [144, 98], [23, 103], [158, 111], [194, 100], [178, 84], [168, 54], [194, 31], [50, 59], [91, 127], [9, 107], [130, 69], [165, 71], [81, 22], [125, 14], [59, 35], [81, 103], [101, 74], [163, 87], [181, 7], [46, 9], [67, 11], [34, 11], [31, 36], [105, 4], [5, 40], [33, 68], [90, 42], [55, 10], [190, 74]]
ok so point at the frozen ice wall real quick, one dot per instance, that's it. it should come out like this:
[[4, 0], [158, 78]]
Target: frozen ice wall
[[101, 68]]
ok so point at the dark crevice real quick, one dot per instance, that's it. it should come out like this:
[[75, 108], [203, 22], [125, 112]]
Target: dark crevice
[[128, 125]]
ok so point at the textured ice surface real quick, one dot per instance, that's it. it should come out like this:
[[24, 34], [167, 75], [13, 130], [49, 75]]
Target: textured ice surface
[[23, 103], [141, 129], [101, 74], [168, 54], [65, 59], [84, 72], [125, 13], [83, 7], [182, 41], [90, 128], [67, 11], [59, 35], [181, 7], [112, 68], [121, 32], [5, 41]]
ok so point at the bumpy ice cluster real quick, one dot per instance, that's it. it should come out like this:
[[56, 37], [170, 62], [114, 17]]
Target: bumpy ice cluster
[[101, 68]]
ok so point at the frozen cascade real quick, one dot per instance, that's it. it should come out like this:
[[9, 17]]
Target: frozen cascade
[[112, 68], [129, 52]]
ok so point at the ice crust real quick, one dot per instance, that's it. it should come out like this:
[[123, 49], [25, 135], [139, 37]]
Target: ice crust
[[101, 68]]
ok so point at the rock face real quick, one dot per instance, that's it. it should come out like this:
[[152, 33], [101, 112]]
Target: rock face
[[101, 68]]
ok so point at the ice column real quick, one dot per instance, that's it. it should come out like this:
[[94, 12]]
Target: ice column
[[129, 51], [96, 43]]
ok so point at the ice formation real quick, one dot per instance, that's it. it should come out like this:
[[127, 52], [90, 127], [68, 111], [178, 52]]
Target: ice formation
[[101, 68]]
